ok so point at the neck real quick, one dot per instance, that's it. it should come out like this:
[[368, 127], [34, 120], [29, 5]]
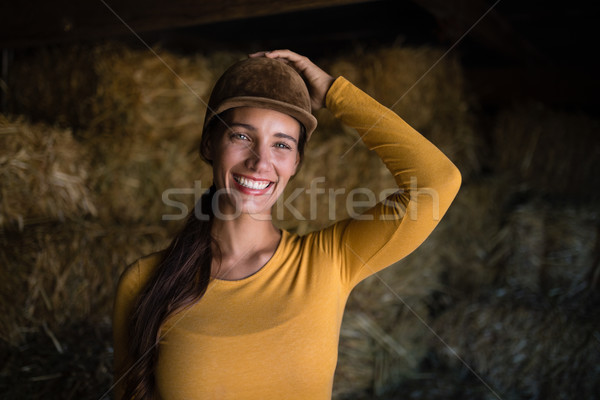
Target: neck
[[243, 235]]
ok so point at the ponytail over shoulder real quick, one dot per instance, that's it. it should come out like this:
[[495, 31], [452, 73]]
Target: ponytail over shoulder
[[181, 280]]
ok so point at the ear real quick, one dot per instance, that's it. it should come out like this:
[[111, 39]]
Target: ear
[[206, 148]]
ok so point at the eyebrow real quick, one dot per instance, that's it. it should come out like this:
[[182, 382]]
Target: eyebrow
[[249, 127], [285, 136], [252, 128]]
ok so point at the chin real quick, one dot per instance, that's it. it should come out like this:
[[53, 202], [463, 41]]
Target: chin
[[259, 206], [239, 203]]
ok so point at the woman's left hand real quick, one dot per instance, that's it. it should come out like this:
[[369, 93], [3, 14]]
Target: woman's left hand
[[317, 80]]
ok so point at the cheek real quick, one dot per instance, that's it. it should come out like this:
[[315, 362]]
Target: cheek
[[229, 156], [287, 164]]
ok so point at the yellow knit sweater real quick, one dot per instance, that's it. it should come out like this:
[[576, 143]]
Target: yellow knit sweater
[[274, 334]]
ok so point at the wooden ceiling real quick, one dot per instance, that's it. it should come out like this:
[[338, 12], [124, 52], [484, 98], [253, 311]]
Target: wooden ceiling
[[31, 22], [509, 48], [506, 27]]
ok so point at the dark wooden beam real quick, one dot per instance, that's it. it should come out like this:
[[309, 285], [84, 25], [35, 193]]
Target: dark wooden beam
[[570, 87], [494, 32], [35, 22]]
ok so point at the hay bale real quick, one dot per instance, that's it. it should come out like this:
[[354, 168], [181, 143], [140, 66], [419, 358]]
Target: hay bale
[[432, 100], [492, 238], [376, 354], [65, 272], [523, 348], [43, 174], [110, 87], [157, 95], [469, 241], [54, 84], [548, 151], [551, 250], [140, 122], [136, 176]]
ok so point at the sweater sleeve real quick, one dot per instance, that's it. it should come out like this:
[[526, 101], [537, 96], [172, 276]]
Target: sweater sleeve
[[427, 183]]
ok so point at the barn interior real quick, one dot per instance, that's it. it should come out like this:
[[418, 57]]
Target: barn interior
[[101, 106]]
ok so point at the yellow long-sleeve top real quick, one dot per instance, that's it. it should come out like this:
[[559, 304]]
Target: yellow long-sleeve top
[[274, 334]]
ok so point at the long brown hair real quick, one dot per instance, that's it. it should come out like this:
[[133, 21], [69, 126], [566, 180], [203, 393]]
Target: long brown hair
[[181, 279]]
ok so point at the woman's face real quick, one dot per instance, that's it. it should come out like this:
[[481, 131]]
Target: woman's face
[[254, 155]]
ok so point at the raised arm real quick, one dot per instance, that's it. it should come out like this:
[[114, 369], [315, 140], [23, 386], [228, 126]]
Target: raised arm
[[427, 180]]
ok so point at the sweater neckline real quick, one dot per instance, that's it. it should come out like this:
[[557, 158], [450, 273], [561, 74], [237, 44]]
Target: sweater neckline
[[262, 270]]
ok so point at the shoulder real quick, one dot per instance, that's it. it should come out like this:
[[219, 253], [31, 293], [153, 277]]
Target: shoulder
[[326, 240], [137, 274]]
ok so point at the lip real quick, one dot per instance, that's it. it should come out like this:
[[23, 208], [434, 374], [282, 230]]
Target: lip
[[247, 190], [252, 178]]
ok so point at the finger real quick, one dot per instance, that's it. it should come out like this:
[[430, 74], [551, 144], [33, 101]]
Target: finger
[[268, 55], [300, 63], [284, 54], [258, 54]]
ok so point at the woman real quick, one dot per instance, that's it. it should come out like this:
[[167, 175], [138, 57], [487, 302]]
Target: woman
[[238, 309]]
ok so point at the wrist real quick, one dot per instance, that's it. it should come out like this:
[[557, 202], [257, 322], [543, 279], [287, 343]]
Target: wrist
[[329, 82]]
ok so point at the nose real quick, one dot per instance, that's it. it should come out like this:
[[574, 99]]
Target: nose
[[259, 158]]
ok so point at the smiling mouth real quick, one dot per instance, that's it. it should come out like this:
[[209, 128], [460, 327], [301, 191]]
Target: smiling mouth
[[252, 184]]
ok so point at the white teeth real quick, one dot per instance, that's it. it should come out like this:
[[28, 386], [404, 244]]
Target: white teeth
[[251, 184]]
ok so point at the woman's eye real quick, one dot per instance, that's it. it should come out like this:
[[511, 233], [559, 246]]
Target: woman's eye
[[283, 146], [239, 136]]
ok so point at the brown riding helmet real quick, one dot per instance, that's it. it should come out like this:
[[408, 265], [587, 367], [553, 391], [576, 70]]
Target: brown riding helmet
[[265, 83]]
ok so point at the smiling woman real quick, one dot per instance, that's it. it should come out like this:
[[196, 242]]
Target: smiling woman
[[254, 155], [236, 308]]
